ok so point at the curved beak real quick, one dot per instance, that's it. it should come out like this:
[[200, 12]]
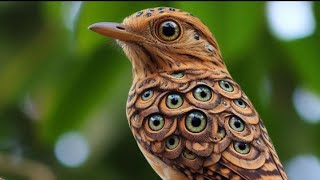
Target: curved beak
[[114, 30]]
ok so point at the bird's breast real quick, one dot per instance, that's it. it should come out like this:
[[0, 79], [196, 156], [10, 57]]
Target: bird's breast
[[199, 124]]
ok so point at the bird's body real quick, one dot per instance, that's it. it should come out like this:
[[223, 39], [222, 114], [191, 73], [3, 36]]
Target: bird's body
[[191, 120]]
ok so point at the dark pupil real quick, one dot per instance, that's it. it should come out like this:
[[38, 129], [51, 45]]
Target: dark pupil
[[196, 36], [203, 94], [242, 146], [168, 29], [174, 100], [176, 73], [196, 121], [237, 124], [240, 102], [147, 94], [156, 122], [226, 85], [171, 141]]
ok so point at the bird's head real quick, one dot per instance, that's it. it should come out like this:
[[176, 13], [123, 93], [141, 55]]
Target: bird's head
[[163, 39]]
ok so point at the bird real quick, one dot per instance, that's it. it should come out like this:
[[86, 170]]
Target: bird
[[189, 117]]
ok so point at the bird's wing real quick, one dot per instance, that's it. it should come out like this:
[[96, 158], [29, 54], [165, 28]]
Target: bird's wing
[[221, 150], [262, 161]]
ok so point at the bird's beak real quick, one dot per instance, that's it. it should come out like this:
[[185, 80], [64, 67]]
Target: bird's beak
[[114, 30]]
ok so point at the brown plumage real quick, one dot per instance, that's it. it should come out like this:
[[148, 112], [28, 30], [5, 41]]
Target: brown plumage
[[191, 120]]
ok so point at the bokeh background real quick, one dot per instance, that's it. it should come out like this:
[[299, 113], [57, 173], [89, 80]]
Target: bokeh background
[[63, 88]]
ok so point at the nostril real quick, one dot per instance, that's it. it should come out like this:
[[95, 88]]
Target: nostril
[[121, 28]]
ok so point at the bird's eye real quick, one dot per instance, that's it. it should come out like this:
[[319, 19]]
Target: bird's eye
[[156, 122], [147, 95], [174, 101], [225, 85], [168, 30], [196, 121], [172, 142], [241, 147], [177, 74], [236, 123], [189, 155], [202, 93], [240, 103]]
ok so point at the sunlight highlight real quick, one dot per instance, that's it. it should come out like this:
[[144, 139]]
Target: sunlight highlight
[[70, 12], [291, 20], [307, 105], [72, 149], [303, 167]]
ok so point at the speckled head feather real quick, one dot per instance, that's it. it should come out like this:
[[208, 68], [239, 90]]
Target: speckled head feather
[[191, 120], [150, 54], [192, 45]]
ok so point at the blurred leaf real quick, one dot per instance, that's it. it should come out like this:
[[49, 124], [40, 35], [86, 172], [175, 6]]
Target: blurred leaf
[[304, 57], [21, 72], [233, 24]]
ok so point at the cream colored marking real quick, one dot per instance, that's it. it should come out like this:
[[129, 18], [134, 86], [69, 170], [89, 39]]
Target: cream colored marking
[[163, 170]]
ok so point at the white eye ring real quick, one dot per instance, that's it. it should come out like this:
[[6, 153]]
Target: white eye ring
[[169, 30]]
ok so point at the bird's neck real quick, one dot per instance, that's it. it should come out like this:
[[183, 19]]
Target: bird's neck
[[148, 61], [142, 70]]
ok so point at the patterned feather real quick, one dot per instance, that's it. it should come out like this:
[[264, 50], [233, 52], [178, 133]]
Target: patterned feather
[[191, 120]]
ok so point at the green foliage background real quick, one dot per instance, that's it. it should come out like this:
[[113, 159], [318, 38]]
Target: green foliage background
[[77, 80]]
